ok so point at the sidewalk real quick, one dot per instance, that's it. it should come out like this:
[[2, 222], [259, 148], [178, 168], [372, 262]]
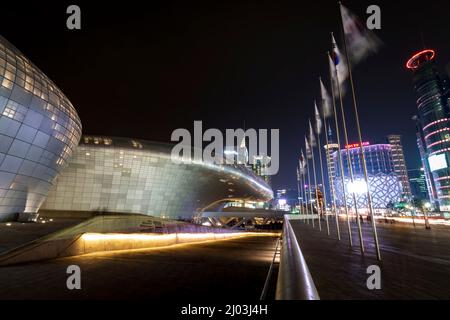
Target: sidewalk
[[415, 262]]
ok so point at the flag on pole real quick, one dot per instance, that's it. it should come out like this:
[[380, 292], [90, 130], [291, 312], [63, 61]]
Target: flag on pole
[[302, 162], [318, 118], [326, 100], [308, 149], [340, 65], [311, 135], [333, 74], [361, 42]]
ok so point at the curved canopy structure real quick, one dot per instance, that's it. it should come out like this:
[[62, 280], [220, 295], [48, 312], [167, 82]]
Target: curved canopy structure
[[135, 176]]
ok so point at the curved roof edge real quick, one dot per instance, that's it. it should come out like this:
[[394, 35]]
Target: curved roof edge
[[165, 150]]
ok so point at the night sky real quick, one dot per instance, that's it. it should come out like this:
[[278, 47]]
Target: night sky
[[141, 71]]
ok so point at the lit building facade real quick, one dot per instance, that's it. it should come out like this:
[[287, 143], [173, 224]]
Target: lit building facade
[[286, 199], [418, 184], [122, 175], [260, 166], [39, 129], [398, 158], [330, 149], [433, 124], [383, 182]]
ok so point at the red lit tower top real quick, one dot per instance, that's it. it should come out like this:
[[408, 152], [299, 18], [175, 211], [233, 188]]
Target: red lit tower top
[[419, 58]]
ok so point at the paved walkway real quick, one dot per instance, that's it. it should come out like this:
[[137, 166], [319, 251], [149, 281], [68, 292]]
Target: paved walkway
[[233, 270], [415, 261]]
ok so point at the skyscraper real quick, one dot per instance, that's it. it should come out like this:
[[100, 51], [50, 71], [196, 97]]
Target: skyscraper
[[418, 184], [260, 166], [330, 149], [398, 159], [433, 124]]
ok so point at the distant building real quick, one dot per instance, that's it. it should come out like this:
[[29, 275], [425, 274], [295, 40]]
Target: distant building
[[400, 170], [418, 184], [433, 125], [330, 149], [260, 167], [286, 199], [383, 182]]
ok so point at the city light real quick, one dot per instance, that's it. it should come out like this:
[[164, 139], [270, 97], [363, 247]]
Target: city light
[[415, 61], [356, 145], [437, 162], [357, 187]]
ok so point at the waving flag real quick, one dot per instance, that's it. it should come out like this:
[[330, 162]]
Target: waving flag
[[311, 135], [361, 42], [340, 65], [302, 162], [333, 75], [326, 100], [318, 119], [308, 149]]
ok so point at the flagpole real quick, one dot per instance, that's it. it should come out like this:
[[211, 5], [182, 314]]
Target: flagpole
[[349, 159], [369, 199], [341, 164], [330, 178], [331, 184], [303, 173], [319, 146], [314, 174], [298, 189], [309, 189], [306, 197], [302, 188]]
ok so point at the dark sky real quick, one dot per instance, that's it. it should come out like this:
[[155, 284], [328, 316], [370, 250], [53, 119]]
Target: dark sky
[[142, 71]]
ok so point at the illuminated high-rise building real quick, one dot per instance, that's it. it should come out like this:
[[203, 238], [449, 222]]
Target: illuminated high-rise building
[[433, 125], [398, 158], [418, 184], [330, 149], [260, 166]]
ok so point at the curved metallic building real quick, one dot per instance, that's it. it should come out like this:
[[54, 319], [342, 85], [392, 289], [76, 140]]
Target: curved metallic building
[[39, 128], [135, 176]]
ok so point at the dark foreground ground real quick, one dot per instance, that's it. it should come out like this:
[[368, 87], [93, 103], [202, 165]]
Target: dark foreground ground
[[15, 234], [415, 261], [231, 269]]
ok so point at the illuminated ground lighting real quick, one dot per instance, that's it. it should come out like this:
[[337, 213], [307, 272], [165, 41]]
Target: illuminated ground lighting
[[415, 61], [170, 236], [120, 242]]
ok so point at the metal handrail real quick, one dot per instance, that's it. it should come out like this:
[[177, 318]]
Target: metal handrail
[[269, 274], [294, 280]]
